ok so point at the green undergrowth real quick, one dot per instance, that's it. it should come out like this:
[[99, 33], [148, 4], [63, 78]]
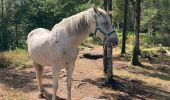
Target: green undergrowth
[[12, 58]]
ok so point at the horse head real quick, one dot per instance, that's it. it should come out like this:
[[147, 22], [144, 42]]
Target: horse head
[[101, 26]]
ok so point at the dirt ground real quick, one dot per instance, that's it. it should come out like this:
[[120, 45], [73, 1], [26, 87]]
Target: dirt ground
[[146, 83]]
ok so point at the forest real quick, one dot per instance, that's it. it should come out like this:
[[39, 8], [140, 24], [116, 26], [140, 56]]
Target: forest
[[141, 62], [19, 17]]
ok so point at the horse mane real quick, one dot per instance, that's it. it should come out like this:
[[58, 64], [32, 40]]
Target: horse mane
[[76, 24], [79, 23]]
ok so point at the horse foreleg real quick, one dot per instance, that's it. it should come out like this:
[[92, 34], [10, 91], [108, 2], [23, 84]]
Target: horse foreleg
[[55, 74], [69, 69], [39, 72]]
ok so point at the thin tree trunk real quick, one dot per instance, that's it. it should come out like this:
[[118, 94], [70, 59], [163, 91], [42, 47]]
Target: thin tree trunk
[[110, 9], [135, 60], [105, 5], [2, 30], [109, 59], [16, 35], [124, 28], [107, 48], [105, 59]]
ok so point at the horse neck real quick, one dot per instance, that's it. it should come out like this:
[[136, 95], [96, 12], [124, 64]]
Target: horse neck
[[77, 40], [80, 27]]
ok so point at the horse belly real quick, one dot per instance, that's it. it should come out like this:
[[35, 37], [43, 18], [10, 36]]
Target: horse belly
[[40, 58], [45, 55]]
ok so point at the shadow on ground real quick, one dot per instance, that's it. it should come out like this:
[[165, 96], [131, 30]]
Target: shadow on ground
[[161, 71], [159, 66], [129, 89], [17, 79]]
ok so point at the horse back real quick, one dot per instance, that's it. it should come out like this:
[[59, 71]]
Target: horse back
[[38, 32]]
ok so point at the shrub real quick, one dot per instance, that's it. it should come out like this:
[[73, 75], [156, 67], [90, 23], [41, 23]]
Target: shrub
[[158, 40]]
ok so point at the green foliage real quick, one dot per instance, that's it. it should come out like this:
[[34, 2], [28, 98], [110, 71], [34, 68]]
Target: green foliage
[[147, 40], [22, 16], [19, 17], [118, 13], [155, 16], [158, 40]]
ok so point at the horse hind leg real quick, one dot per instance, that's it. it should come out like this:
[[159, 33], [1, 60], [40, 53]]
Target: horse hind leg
[[39, 71]]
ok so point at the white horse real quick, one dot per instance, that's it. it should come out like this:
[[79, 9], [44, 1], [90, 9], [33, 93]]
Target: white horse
[[58, 48]]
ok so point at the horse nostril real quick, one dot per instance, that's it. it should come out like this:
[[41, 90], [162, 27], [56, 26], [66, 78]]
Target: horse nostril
[[116, 42]]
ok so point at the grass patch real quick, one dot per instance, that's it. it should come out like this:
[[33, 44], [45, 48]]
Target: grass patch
[[12, 58], [10, 93], [15, 95]]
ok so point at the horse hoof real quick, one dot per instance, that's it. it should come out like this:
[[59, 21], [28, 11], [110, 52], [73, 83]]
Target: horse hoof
[[41, 96]]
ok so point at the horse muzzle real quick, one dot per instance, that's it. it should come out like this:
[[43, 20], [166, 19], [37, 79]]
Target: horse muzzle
[[114, 42]]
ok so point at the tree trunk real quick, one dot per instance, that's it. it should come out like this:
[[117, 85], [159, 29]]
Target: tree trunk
[[2, 29], [105, 5], [16, 36], [110, 9], [124, 28], [136, 50], [109, 61], [105, 59], [107, 48]]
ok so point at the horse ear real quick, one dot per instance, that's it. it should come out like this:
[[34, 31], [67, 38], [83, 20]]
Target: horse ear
[[95, 10]]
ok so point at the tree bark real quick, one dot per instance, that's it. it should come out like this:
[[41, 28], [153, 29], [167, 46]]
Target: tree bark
[[109, 60], [110, 9], [16, 36], [107, 48], [105, 5], [124, 28], [135, 60], [2, 30], [105, 59]]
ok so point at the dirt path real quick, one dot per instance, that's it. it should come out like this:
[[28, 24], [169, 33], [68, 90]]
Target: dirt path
[[88, 79]]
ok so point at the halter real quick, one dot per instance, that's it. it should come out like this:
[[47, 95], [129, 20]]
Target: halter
[[98, 28]]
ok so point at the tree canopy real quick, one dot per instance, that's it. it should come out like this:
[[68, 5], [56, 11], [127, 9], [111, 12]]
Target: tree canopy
[[19, 17]]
